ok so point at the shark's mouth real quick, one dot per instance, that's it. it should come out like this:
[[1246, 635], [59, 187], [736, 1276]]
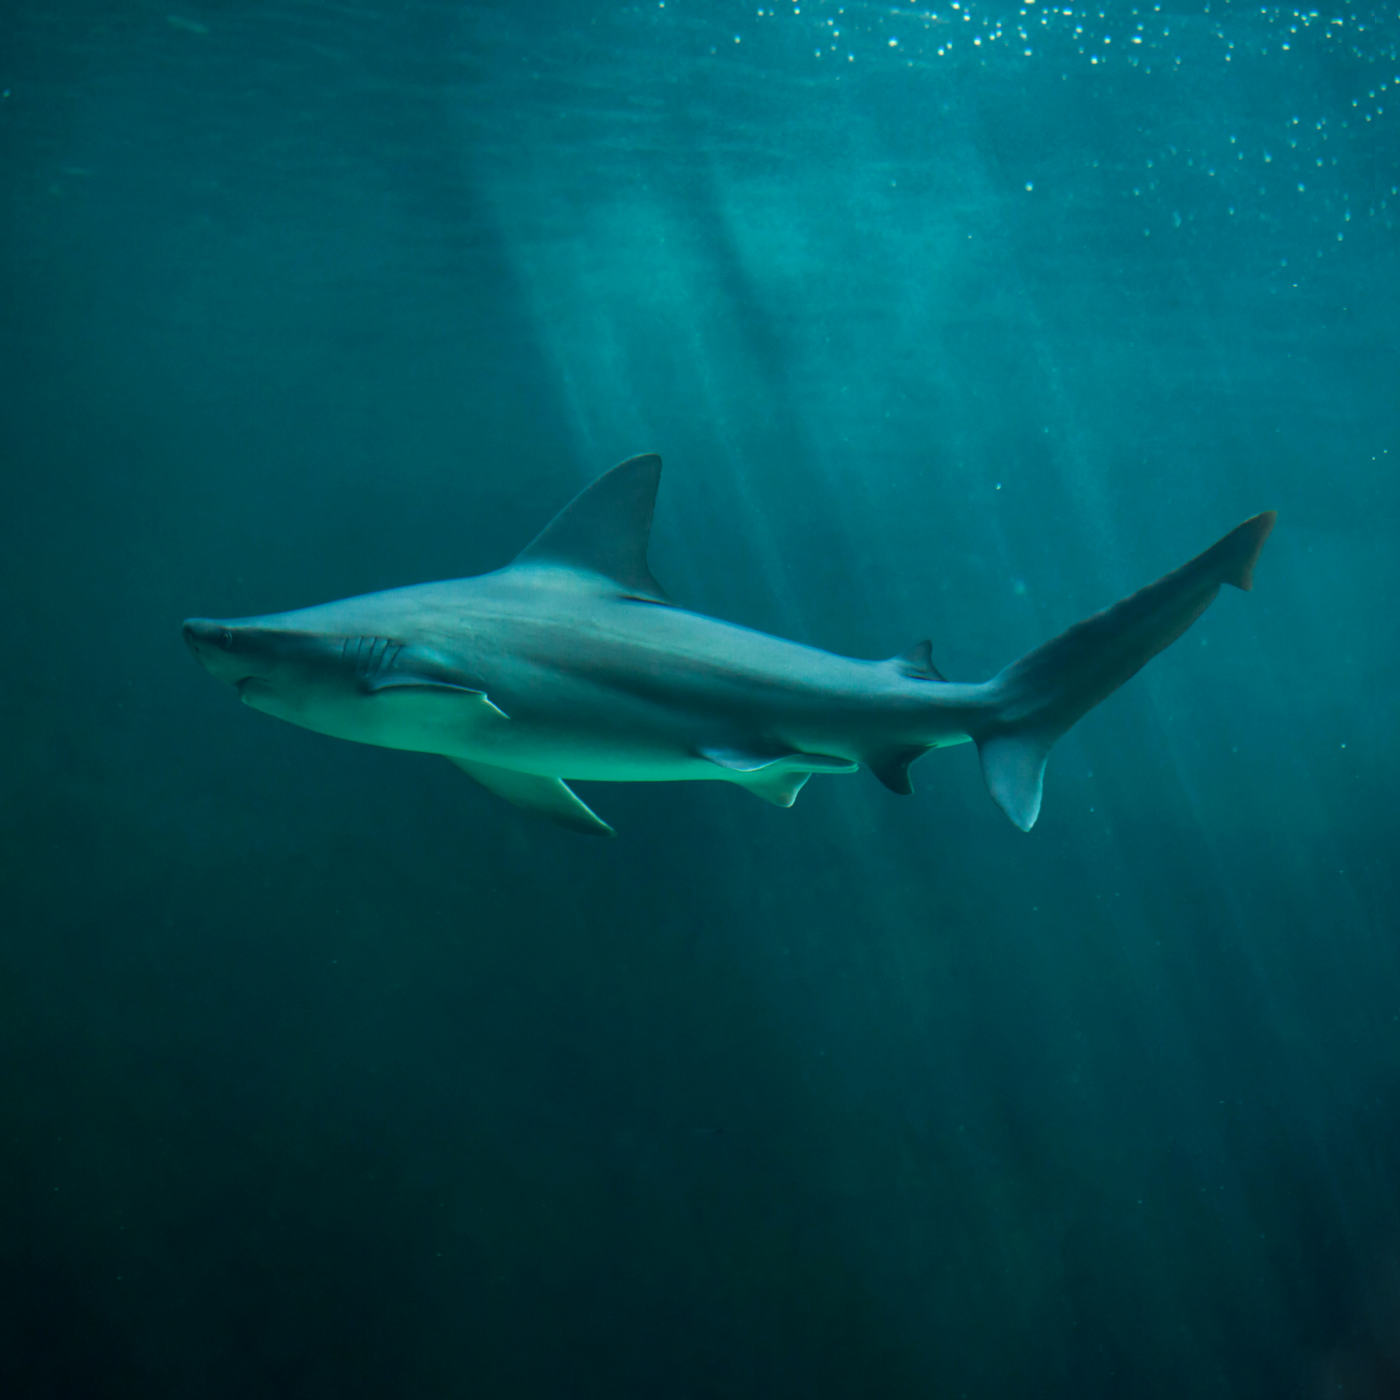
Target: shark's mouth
[[260, 694]]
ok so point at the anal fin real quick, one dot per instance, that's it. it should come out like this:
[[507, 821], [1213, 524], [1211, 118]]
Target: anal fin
[[551, 798], [892, 767]]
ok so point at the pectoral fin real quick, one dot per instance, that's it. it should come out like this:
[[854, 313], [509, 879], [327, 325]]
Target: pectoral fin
[[396, 680], [551, 798]]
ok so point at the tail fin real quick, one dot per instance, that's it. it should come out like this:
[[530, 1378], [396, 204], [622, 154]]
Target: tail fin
[[1036, 699]]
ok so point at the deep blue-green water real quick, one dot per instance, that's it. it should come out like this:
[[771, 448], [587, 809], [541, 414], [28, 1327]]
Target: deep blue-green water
[[324, 1073]]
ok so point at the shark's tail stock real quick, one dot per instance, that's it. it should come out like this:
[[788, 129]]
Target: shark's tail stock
[[1036, 699]]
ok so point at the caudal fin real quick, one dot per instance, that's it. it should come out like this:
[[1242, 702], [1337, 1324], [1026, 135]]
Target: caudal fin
[[1036, 699]]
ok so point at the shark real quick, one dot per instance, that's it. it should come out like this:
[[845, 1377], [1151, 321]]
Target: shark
[[572, 664]]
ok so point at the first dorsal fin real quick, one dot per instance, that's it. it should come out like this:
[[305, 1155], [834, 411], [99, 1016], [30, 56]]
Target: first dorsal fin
[[605, 530], [917, 663]]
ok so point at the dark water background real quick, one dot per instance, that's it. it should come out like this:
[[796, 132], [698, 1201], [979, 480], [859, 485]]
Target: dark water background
[[326, 1074]]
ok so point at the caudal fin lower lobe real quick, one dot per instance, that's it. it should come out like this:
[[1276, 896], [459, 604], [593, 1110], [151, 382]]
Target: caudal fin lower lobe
[[1036, 699]]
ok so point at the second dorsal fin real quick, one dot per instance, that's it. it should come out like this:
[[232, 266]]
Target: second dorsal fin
[[605, 530], [917, 663]]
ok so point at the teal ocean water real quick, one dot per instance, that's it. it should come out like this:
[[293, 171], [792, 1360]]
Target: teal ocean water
[[325, 1073]]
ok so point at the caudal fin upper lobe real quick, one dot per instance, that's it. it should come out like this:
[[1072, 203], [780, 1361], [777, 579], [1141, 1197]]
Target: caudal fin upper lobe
[[1036, 699]]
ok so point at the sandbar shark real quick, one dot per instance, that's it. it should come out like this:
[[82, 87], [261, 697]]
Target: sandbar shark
[[572, 663]]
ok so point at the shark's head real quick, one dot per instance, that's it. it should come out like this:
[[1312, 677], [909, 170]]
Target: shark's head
[[322, 668], [264, 659]]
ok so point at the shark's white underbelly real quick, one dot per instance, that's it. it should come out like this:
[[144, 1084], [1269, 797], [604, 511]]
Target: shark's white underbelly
[[619, 740]]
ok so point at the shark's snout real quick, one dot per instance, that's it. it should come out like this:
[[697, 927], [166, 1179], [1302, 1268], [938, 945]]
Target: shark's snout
[[214, 645], [205, 636], [203, 631]]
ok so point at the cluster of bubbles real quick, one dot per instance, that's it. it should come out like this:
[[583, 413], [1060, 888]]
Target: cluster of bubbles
[[1137, 37], [1187, 171], [1301, 159]]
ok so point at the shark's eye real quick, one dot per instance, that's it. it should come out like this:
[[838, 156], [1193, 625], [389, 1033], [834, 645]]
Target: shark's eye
[[226, 639]]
